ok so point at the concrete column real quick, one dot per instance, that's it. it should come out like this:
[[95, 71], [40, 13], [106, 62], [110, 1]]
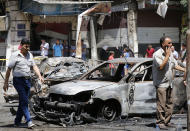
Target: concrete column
[[94, 55], [132, 31], [132, 26]]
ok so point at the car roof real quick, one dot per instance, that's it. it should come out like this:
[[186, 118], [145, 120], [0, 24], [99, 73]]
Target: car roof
[[129, 60]]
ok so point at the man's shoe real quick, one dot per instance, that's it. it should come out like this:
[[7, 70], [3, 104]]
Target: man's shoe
[[16, 125], [162, 126], [30, 125], [20, 125]]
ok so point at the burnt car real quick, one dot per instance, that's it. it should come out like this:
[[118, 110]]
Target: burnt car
[[100, 94], [54, 70], [63, 68]]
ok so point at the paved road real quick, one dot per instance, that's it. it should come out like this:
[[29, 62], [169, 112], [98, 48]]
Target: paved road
[[131, 124]]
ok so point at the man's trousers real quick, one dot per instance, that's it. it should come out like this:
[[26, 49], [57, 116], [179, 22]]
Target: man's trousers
[[164, 100], [22, 86]]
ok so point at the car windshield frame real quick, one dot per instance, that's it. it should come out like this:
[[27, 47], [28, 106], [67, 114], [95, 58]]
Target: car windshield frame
[[121, 62]]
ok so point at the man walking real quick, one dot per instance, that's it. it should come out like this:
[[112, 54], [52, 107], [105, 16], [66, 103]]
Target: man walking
[[20, 63], [163, 65]]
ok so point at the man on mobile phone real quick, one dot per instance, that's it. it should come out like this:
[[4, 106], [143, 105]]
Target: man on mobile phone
[[163, 65]]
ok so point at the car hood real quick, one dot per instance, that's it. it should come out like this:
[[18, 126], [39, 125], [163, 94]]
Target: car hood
[[74, 87]]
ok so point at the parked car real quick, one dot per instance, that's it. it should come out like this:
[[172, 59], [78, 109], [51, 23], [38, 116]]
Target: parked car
[[98, 94]]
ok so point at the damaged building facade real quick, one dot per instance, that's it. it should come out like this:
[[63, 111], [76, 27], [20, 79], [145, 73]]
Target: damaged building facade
[[150, 26], [58, 20]]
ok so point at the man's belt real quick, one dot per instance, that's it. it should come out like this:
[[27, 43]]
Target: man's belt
[[24, 77]]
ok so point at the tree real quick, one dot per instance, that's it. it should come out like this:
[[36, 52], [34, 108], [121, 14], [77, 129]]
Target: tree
[[184, 3]]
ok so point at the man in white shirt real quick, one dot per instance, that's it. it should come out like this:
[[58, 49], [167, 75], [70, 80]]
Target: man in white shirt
[[20, 63], [163, 65], [44, 48]]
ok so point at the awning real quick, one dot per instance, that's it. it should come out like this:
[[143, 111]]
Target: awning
[[68, 2], [56, 7]]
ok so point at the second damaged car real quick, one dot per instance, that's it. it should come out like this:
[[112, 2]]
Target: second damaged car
[[100, 94]]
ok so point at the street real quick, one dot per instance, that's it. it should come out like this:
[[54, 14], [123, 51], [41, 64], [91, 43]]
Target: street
[[134, 123]]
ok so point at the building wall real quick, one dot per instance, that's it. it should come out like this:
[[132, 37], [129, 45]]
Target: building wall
[[149, 18], [112, 33], [146, 35], [150, 27], [19, 27]]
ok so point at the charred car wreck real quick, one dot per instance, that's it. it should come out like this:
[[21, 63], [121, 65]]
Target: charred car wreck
[[97, 94]]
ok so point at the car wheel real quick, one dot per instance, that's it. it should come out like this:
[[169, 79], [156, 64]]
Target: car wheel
[[109, 111]]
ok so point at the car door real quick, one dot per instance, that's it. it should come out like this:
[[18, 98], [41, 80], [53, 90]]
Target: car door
[[144, 93]]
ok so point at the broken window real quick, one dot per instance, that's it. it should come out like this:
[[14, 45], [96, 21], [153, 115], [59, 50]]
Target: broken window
[[142, 73], [104, 73]]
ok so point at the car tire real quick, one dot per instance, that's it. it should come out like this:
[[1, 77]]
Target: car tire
[[109, 111]]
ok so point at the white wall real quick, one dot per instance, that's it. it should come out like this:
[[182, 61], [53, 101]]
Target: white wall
[[153, 34], [112, 37], [146, 35]]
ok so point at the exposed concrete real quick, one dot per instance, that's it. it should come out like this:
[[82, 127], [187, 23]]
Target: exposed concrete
[[94, 54], [132, 31]]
